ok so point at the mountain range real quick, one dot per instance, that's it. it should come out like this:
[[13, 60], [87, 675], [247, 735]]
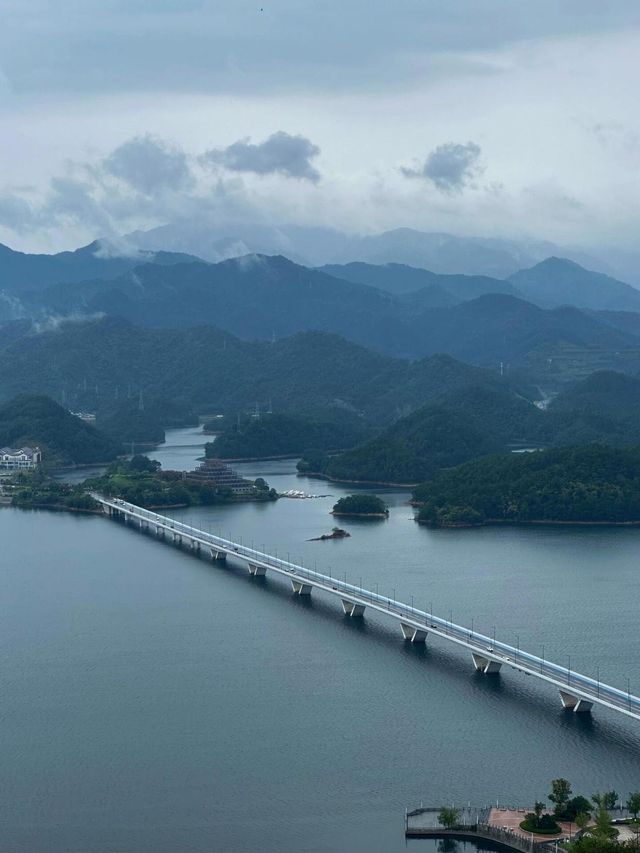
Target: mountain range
[[315, 246]]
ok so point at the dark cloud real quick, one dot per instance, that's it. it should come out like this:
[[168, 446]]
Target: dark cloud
[[450, 167], [149, 165], [281, 154]]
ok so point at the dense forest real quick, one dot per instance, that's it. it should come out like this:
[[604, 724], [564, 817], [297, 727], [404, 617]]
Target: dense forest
[[572, 484], [472, 422], [280, 435], [63, 438], [469, 423], [92, 365]]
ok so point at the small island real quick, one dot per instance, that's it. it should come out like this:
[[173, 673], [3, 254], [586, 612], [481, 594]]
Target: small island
[[336, 533], [364, 506]]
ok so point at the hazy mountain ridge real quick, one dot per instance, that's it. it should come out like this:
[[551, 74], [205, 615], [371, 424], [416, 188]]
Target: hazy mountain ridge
[[437, 251], [558, 281], [260, 297]]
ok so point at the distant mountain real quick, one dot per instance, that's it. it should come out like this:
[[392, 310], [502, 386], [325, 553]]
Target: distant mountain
[[314, 246], [558, 281], [20, 272], [430, 289], [63, 438], [258, 297]]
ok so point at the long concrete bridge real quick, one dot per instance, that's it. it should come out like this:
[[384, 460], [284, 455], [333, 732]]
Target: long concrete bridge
[[578, 692]]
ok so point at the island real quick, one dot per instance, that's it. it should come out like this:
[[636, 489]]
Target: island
[[139, 480], [594, 484], [364, 506]]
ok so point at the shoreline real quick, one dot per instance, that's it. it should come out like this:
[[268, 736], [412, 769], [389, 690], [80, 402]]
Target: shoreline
[[540, 522], [326, 477]]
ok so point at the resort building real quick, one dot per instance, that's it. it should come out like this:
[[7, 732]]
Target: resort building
[[12, 459]]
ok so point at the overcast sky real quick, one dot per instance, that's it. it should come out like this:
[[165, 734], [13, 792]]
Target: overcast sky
[[489, 117]]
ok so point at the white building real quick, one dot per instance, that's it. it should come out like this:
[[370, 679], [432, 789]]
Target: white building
[[19, 458]]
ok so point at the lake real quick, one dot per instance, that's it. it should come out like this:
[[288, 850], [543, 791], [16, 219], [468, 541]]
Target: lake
[[154, 702]]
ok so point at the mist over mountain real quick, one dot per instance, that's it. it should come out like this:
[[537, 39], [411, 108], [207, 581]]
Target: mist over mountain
[[439, 252], [21, 272], [259, 297]]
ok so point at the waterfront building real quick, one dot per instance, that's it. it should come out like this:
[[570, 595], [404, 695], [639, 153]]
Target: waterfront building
[[13, 459], [213, 472]]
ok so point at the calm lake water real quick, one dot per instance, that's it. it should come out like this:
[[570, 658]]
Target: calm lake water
[[154, 702]]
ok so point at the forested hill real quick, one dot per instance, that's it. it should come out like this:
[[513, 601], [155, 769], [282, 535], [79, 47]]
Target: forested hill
[[91, 364], [571, 484], [281, 435], [63, 438], [604, 408], [461, 426]]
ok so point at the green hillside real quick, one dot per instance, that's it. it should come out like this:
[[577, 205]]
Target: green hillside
[[63, 438], [571, 484]]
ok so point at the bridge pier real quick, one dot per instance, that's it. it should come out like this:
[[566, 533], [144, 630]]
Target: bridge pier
[[412, 634], [575, 703], [160, 532], [177, 539], [257, 571], [486, 665], [301, 588], [217, 555], [352, 608]]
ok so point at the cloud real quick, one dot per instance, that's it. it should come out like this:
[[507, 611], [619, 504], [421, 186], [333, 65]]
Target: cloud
[[149, 165], [281, 154], [450, 167]]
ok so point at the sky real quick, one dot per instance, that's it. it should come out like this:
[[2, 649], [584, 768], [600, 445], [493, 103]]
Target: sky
[[495, 118]]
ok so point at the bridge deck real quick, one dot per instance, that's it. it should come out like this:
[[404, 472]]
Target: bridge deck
[[578, 691]]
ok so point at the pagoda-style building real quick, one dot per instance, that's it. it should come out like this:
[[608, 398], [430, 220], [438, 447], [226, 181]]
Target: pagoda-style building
[[215, 473]]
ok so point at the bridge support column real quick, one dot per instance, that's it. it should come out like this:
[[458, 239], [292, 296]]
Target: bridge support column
[[177, 539], [414, 635], [352, 608], [575, 703], [485, 665], [160, 532], [301, 588], [257, 571], [218, 556]]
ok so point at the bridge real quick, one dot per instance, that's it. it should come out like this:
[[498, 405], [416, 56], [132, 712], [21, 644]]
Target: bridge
[[578, 692]]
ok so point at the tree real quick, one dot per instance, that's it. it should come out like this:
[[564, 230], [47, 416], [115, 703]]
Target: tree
[[577, 805], [582, 820], [449, 817], [633, 804], [603, 828], [559, 796], [610, 798], [538, 808]]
